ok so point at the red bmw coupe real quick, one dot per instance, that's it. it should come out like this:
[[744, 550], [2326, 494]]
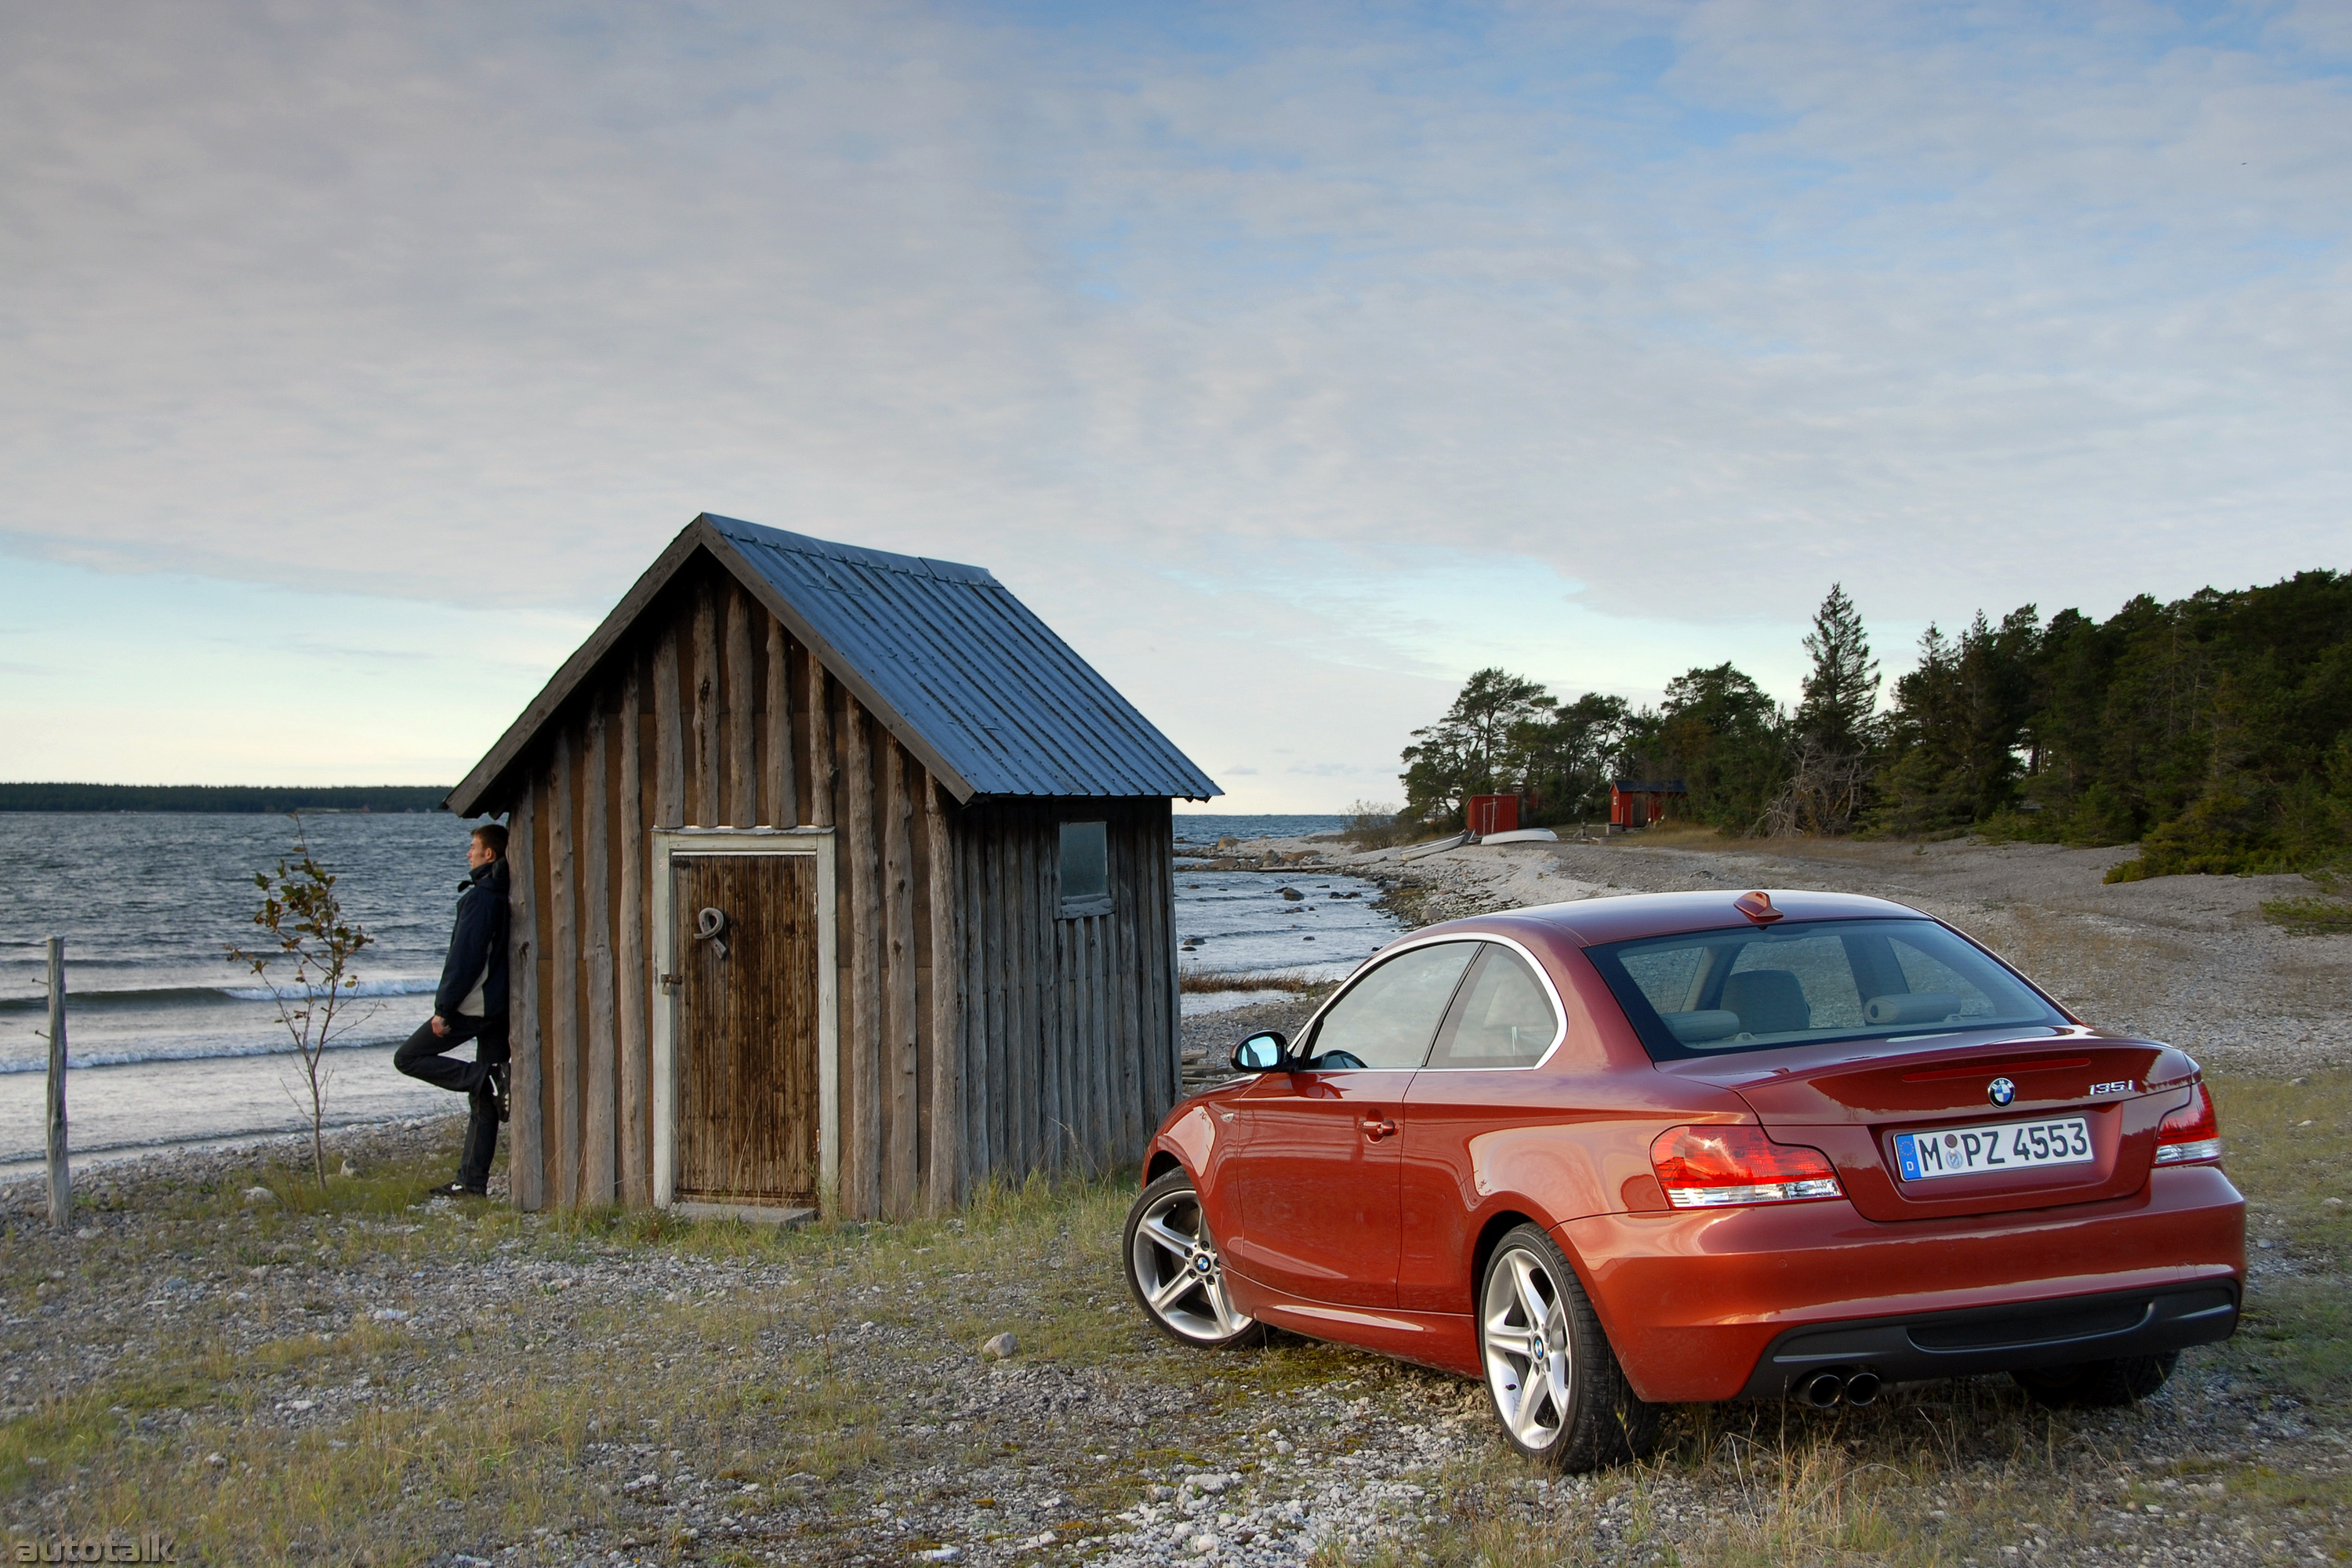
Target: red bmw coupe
[[1682, 1146]]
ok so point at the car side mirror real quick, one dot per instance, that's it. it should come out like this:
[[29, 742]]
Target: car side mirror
[[1262, 1053]]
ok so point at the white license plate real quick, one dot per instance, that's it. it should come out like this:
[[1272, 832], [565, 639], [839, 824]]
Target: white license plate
[[2005, 1146]]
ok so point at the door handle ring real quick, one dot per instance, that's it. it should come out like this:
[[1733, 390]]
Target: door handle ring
[[1377, 1126], [711, 925]]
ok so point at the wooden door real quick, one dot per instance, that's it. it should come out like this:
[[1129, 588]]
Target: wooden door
[[745, 1051]]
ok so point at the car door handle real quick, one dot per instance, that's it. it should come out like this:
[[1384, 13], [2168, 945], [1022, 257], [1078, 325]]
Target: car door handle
[[1377, 1126]]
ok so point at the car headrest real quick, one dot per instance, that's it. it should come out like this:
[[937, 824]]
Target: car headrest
[[1769, 1001]]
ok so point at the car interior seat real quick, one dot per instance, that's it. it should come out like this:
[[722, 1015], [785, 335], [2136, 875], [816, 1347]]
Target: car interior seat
[[1769, 1001]]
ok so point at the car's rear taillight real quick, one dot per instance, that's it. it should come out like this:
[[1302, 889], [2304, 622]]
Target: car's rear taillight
[[2191, 1135], [1714, 1167]]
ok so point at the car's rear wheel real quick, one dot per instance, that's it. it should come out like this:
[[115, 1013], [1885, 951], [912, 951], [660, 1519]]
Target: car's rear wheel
[[2095, 1384], [1174, 1270], [1555, 1382]]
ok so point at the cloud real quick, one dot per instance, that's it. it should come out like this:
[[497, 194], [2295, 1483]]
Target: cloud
[[1207, 331]]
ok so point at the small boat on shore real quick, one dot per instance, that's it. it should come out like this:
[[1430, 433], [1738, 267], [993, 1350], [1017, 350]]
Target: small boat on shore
[[1436, 847], [1522, 836]]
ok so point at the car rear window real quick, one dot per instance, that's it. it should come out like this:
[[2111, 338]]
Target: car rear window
[[1749, 987]]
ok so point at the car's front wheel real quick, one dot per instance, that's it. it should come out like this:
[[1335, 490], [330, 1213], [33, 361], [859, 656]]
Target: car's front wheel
[[1557, 1387], [2092, 1385], [1174, 1270]]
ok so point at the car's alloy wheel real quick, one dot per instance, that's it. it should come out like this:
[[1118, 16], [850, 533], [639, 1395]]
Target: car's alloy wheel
[[1557, 1387], [1173, 1267]]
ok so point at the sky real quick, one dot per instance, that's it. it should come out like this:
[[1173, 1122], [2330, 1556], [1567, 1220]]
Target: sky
[[1292, 362]]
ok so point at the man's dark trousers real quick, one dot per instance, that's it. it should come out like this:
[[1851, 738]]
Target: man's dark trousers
[[420, 1057]]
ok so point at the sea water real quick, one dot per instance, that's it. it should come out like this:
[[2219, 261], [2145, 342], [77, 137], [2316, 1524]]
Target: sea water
[[172, 1042], [1199, 830], [148, 905]]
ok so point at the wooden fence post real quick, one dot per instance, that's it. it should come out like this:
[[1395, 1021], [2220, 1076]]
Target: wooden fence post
[[60, 1173]]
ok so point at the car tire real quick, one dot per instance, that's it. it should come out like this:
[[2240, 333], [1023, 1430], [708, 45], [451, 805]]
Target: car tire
[[1536, 1325], [1174, 1271], [2092, 1384]]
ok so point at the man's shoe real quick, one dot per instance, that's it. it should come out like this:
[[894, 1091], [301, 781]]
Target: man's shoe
[[457, 1190], [499, 1094]]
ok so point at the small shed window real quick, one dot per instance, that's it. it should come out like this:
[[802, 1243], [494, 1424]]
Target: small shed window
[[1086, 869]]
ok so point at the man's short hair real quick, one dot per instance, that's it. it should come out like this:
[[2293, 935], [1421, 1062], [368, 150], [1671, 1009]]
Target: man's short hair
[[493, 834]]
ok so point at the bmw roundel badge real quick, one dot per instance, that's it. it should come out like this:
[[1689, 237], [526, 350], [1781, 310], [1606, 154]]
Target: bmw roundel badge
[[2001, 1091]]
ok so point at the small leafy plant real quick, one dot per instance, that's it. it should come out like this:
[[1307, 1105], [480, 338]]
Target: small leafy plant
[[305, 932], [2316, 916]]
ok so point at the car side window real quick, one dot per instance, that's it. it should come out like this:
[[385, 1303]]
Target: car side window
[[1388, 1019], [1502, 1018]]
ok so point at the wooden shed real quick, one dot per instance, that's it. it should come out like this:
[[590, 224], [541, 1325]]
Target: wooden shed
[[840, 881], [1637, 803]]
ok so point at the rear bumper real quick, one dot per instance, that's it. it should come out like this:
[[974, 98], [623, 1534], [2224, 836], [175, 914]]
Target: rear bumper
[[1698, 1304], [2002, 1339]]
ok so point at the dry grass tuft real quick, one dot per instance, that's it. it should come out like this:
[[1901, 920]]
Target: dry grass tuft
[[1377, 824], [1204, 981]]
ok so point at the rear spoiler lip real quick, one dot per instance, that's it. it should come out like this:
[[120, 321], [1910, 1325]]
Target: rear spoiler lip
[[1999, 1051]]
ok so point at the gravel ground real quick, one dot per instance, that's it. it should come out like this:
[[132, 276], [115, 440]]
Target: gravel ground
[[1121, 1447], [468, 1384]]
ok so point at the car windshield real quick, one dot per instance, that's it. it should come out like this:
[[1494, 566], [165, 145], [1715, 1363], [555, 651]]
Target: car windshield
[[1756, 987]]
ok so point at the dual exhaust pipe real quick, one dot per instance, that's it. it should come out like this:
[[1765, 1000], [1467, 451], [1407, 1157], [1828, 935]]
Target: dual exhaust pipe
[[1829, 1388]]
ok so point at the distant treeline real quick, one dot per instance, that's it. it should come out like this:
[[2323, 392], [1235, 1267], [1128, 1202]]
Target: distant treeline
[[2215, 732], [257, 799]]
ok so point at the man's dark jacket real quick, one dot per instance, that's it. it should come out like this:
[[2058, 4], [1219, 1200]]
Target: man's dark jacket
[[480, 938]]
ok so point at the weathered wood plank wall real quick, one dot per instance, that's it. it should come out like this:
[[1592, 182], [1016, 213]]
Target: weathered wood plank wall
[[901, 1025], [861, 1114], [597, 1145], [635, 1040], [983, 1033], [526, 896], [946, 1170], [1067, 1025], [563, 1061]]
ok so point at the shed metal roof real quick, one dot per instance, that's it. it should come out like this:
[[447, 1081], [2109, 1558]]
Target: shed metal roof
[[964, 674]]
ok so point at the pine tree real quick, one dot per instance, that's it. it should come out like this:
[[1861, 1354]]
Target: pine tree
[[1563, 757], [1955, 746], [1841, 695], [1466, 752], [1836, 727], [1724, 738]]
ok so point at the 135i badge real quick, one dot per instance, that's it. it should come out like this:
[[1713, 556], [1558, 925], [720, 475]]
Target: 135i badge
[[2121, 1086]]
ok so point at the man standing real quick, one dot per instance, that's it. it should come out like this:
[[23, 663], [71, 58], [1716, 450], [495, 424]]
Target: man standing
[[471, 1004]]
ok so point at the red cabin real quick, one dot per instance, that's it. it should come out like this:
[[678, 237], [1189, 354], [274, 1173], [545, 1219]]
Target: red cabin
[[1637, 803], [1493, 814]]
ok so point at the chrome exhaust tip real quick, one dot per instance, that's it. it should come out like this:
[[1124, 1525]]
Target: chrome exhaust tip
[[1862, 1388], [1821, 1390]]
